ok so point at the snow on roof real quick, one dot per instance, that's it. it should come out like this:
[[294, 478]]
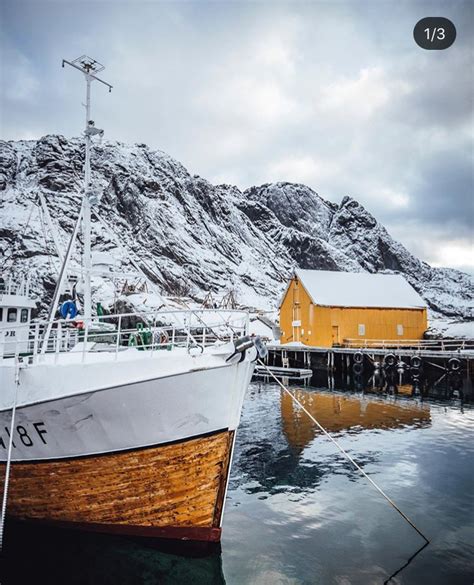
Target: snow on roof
[[359, 289]]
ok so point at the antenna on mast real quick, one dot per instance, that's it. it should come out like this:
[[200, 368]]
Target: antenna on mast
[[89, 67]]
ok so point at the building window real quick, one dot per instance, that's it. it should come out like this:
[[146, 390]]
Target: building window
[[24, 315], [399, 329], [1, 314], [361, 328], [11, 316]]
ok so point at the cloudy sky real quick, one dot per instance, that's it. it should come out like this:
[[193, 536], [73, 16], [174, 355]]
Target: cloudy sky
[[335, 95]]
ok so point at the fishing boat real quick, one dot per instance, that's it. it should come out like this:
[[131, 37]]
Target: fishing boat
[[121, 423]]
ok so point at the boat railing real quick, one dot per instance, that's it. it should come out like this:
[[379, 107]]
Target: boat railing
[[150, 331]]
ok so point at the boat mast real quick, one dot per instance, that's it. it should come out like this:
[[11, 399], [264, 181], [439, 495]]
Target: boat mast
[[89, 67], [86, 216]]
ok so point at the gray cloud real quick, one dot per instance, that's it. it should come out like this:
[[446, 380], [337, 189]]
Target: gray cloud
[[335, 95]]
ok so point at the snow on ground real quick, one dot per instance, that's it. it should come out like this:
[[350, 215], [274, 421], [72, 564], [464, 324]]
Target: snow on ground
[[447, 328]]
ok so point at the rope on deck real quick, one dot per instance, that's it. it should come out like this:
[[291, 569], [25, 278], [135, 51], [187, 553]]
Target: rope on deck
[[344, 452]]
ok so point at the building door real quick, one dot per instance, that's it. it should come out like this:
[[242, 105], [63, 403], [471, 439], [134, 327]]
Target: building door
[[296, 323], [335, 335]]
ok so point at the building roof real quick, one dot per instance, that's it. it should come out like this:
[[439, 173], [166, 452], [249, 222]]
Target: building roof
[[359, 289]]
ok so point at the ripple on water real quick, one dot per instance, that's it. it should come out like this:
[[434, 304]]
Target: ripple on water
[[328, 525]]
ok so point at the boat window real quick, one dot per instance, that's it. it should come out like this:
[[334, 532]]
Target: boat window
[[24, 315], [361, 329], [399, 329], [11, 318]]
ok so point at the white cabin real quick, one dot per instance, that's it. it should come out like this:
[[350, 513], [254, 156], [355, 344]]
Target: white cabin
[[15, 315]]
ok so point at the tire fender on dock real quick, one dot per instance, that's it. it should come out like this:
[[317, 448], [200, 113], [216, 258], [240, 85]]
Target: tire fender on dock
[[390, 360], [454, 364], [415, 361], [357, 368]]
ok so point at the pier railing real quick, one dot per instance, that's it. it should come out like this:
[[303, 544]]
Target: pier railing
[[416, 344], [146, 331]]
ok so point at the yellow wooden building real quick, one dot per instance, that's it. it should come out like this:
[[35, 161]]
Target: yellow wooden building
[[323, 308]]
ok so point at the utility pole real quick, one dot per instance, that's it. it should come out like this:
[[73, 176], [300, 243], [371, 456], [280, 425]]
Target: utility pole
[[89, 67]]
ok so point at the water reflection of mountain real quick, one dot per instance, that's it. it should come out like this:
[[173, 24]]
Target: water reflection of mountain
[[341, 412], [269, 456], [58, 557]]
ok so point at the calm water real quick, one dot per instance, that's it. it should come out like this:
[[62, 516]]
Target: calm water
[[297, 512]]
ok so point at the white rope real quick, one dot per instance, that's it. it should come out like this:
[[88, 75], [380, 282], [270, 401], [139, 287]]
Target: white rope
[[9, 456], [343, 451]]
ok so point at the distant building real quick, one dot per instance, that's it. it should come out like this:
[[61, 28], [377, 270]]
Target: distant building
[[324, 308]]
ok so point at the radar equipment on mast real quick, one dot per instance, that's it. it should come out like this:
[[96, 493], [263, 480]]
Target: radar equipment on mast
[[89, 67]]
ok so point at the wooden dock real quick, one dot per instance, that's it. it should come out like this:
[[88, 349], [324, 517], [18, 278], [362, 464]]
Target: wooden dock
[[379, 351], [448, 355], [283, 372]]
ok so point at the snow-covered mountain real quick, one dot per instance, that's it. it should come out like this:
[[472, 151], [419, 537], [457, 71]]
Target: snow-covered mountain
[[192, 237]]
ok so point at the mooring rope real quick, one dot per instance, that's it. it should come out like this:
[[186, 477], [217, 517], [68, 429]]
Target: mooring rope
[[343, 451], [9, 455]]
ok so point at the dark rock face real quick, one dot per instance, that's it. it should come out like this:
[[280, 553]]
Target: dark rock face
[[356, 231], [59, 163], [189, 235], [295, 206], [8, 164]]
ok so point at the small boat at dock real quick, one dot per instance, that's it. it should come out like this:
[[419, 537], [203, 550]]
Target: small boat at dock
[[283, 372]]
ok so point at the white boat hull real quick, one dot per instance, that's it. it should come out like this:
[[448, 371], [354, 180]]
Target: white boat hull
[[134, 443], [152, 409]]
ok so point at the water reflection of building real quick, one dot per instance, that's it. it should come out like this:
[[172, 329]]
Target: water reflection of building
[[404, 389], [338, 412]]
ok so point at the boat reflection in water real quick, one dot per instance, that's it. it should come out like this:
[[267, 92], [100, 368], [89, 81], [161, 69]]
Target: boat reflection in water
[[53, 556]]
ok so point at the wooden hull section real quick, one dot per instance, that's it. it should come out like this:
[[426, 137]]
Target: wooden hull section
[[169, 491]]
